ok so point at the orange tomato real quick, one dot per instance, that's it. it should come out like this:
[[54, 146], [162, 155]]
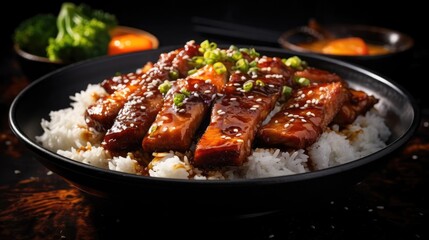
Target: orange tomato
[[346, 46], [128, 43]]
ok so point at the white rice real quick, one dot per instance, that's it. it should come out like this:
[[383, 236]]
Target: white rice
[[67, 134]]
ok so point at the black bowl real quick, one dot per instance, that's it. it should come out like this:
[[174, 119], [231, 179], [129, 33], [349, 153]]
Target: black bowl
[[399, 44], [217, 197]]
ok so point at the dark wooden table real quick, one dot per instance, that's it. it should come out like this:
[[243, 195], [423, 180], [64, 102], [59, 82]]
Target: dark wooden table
[[35, 203]]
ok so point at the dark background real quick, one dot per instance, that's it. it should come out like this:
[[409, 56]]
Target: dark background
[[389, 204]]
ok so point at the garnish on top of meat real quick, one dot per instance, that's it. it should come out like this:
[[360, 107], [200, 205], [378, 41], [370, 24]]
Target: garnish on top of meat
[[185, 106], [136, 116], [247, 99], [162, 108]]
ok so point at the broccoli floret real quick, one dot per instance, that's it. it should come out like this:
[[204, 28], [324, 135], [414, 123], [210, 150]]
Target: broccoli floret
[[33, 34], [105, 17], [80, 36]]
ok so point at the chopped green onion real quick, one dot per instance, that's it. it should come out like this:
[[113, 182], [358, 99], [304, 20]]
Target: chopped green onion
[[152, 128], [253, 53], [302, 81], [174, 74], [219, 68], [286, 91], [242, 65], [164, 87], [236, 56], [247, 86], [192, 71], [178, 99], [185, 92], [294, 62], [233, 48], [260, 83], [212, 45], [198, 61]]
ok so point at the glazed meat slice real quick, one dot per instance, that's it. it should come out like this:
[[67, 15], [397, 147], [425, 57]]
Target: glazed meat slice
[[102, 114], [318, 75], [246, 101], [138, 113], [358, 103], [133, 120], [121, 81], [304, 116], [177, 123]]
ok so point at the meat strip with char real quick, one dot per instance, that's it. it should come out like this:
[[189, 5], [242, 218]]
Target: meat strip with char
[[247, 99], [135, 118], [304, 116], [179, 119], [103, 112]]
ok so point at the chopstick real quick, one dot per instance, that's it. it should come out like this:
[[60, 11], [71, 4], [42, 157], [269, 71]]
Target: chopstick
[[234, 30]]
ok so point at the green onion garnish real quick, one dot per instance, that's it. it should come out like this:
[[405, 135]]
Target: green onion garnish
[[247, 86], [152, 128], [192, 71], [294, 62], [164, 87], [260, 83], [242, 65], [302, 81], [178, 99], [219, 68], [174, 74], [185, 92], [286, 91]]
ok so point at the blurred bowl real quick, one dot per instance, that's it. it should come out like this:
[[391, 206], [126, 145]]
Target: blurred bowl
[[398, 44], [34, 66]]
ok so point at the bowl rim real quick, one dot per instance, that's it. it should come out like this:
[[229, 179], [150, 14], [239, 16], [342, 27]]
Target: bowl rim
[[265, 181], [283, 40]]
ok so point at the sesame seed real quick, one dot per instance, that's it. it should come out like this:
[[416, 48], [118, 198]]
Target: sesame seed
[[238, 134], [303, 120], [207, 91], [220, 94], [252, 108], [208, 81], [299, 92], [196, 85], [276, 121], [286, 125], [303, 95], [240, 140], [292, 120], [243, 78], [182, 110], [255, 106], [142, 107], [227, 138], [196, 94], [233, 99], [296, 105], [223, 136], [250, 96], [237, 84], [259, 99], [310, 92], [235, 130], [290, 115], [271, 85]]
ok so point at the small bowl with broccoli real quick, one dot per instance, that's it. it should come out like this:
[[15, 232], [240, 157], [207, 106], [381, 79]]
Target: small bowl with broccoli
[[46, 42]]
